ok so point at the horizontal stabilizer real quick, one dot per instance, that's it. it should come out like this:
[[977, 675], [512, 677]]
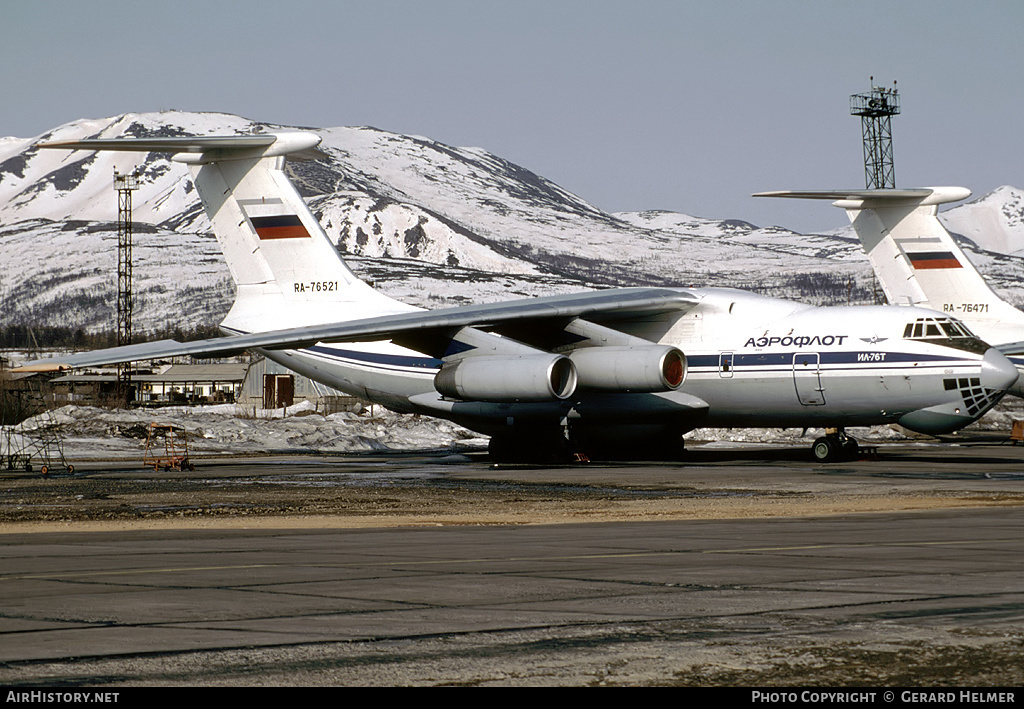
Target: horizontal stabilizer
[[922, 196], [298, 145], [847, 194], [916, 260]]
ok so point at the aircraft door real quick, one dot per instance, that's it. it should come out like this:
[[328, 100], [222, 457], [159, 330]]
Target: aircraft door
[[725, 365], [807, 378]]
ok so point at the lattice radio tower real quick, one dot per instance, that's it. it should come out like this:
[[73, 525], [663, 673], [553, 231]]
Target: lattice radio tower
[[876, 109], [125, 185]]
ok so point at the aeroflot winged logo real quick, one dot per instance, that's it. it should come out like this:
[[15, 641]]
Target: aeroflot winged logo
[[271, 219]]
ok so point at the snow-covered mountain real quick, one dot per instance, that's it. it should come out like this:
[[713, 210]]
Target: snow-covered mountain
[[994, 222], [426, 222]]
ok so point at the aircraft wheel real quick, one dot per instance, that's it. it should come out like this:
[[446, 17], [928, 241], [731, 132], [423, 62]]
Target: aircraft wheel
[[669, 449], [537, 449], [45, 471], [502, 450], [851, 448], [825, 449]]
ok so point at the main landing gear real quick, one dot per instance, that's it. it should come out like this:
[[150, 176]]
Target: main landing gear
[[542, 447], [835, 445], [538, 448]]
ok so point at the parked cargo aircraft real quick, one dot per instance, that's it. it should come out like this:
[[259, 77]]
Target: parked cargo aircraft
[[918, 262], [625, 367]]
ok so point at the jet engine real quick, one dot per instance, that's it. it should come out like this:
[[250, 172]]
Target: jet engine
[[639, 369], [540, 377]]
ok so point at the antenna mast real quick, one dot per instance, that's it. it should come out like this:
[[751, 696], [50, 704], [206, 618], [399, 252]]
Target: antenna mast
[[876, 109], [125, 185]]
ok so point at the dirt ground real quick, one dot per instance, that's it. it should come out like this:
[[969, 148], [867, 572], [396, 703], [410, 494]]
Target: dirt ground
[[134, 498]]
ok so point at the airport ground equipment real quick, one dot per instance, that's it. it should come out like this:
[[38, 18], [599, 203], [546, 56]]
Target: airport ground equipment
[[31, 435], [167, 448]]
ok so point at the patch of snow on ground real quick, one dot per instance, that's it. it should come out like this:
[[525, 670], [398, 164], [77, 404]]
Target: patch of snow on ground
[[94, 433], [90, 432]]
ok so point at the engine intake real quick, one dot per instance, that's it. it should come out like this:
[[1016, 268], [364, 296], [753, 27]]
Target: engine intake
[[640, 369], [541, 377]]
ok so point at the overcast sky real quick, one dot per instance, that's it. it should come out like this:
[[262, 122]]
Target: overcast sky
[[686, 106]]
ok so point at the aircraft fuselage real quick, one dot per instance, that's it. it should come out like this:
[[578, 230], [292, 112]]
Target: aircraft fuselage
[[752, 361]]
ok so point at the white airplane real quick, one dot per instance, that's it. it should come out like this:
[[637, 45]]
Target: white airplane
[[586, 372], [918, 262]]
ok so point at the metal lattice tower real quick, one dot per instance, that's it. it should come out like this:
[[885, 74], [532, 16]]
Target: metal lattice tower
[[125, 185], [876, 109]]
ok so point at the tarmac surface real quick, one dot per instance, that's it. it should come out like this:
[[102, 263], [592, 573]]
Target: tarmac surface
[[742, 566]]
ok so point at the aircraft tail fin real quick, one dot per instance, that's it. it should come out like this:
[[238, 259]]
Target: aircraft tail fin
[[276, 251], [915, 259]]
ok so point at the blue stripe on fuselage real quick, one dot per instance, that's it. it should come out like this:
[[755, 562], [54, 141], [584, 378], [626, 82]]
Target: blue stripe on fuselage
[[765, 359], [378, 358], [740, 361]]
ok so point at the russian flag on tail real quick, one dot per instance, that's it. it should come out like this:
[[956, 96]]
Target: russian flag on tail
[[280, 226], [271, 218], [933, 259]]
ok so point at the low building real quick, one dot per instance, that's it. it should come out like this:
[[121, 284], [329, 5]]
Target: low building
[[179, 384], [269, 385], [256, 384]]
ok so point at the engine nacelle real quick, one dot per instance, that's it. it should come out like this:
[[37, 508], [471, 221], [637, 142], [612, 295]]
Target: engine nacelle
[[641, 369], [540, 377]]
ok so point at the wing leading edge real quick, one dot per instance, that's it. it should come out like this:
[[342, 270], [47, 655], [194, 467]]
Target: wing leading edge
[[618, 304]]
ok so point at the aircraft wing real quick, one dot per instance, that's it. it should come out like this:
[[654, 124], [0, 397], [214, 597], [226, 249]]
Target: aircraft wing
[[603, 306], [1011, 348]]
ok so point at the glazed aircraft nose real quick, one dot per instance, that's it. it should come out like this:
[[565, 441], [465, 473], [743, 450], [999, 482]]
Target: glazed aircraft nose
[[968, 401], [997, 372]]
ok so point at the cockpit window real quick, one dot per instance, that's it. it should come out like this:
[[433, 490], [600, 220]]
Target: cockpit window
[[946, 332]]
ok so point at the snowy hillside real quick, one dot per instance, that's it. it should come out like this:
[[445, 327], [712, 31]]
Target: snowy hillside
[[427, 223], [994, 222]]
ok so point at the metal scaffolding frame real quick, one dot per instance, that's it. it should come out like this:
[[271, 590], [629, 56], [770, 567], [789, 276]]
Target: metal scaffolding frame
[[31, 433], [125, 185], [876, 109]]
